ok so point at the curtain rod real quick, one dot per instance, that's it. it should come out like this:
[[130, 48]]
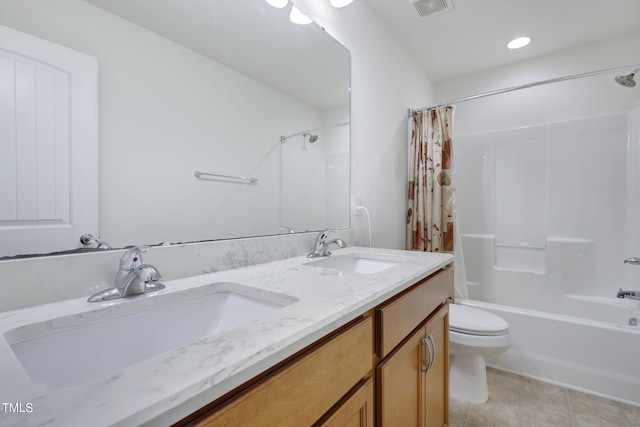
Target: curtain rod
[[334, 125], [524, 86]]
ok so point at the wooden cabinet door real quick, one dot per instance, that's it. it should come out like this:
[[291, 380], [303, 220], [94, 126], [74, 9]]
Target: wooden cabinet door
[[413, 382], [357, 410], [436, 378], [401, 385]]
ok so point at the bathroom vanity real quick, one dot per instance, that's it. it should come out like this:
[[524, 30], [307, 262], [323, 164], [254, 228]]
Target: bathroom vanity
[[392, 361], [357, 337]]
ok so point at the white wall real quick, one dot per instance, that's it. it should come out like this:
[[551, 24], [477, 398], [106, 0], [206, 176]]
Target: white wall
[[386, 81]]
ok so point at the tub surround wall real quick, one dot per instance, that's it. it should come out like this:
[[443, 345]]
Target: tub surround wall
[[36, 281], [546, 214], [568, 287]]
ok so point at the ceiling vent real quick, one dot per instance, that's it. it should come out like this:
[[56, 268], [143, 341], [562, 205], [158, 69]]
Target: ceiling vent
[[429, 8]]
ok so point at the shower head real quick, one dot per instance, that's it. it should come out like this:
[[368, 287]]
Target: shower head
[[626, 81], [312, 138]]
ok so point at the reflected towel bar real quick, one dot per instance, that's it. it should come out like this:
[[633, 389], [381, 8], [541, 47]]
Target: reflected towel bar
[[198, 174]]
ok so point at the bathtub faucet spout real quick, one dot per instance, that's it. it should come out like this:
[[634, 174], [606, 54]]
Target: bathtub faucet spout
[[628, 294]]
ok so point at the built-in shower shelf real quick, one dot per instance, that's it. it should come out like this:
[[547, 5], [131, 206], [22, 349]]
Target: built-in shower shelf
[[520, 256]]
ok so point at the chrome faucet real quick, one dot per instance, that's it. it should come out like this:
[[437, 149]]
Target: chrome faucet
[[321, 246], [132, 278], [628, 294], [632, 260], [88, 239]]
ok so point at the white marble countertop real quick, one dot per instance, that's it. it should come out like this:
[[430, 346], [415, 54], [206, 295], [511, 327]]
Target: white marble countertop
[[169, 386]]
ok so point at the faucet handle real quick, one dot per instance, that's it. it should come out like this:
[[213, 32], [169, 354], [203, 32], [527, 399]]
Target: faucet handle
[[132, 259], [149, 273], [321, 239], [324, 234]]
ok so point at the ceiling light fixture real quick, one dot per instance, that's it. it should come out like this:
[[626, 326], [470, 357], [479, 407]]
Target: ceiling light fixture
[[519, 42], [278, 3], [298, 17], [340, 3]]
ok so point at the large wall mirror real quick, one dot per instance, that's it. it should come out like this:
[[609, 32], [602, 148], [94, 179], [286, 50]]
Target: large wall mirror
[[224, 87]]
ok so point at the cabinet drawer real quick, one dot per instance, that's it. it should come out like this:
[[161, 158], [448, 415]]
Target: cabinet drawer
[[396, 319], [302, 391]]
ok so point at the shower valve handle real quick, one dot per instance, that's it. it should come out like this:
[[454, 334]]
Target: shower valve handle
[[633, 260]]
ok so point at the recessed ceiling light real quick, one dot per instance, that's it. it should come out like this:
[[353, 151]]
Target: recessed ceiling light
[[519, 42]]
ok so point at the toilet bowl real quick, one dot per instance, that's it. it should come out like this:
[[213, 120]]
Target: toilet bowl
[[475, 336]]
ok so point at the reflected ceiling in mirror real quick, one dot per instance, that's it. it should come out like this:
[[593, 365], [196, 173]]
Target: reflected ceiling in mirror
[[188, 85]]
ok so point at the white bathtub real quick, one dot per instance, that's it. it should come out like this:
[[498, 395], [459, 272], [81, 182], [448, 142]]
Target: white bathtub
[[594, 356]]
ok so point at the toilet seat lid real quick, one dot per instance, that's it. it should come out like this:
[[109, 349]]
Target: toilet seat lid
[[474, 321]]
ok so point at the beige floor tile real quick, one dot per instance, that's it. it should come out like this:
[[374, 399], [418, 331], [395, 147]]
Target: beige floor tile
[[589, 410], [516, 401], [504, 388], [632, 413], [544, 405], [504, 410], [594, 420], [545, 415], [458, 413], [504, 380], [486, 419]]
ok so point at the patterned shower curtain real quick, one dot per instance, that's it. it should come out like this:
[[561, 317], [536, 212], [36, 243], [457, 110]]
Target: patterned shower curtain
[[430, 215]]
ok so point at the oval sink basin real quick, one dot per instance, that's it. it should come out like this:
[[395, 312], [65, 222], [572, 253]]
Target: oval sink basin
[[358, 263], [71, 350]]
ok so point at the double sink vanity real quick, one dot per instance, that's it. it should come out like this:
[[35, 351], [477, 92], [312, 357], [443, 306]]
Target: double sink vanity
[[299, 341]]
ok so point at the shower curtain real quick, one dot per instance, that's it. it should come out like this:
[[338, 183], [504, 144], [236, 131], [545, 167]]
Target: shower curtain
[[430, 195], [430, 204]]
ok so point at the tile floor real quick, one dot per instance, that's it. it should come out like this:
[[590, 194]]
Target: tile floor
[[516, 401]]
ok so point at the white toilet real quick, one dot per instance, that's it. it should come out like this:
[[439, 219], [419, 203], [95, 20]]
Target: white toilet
[[474, 337]]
